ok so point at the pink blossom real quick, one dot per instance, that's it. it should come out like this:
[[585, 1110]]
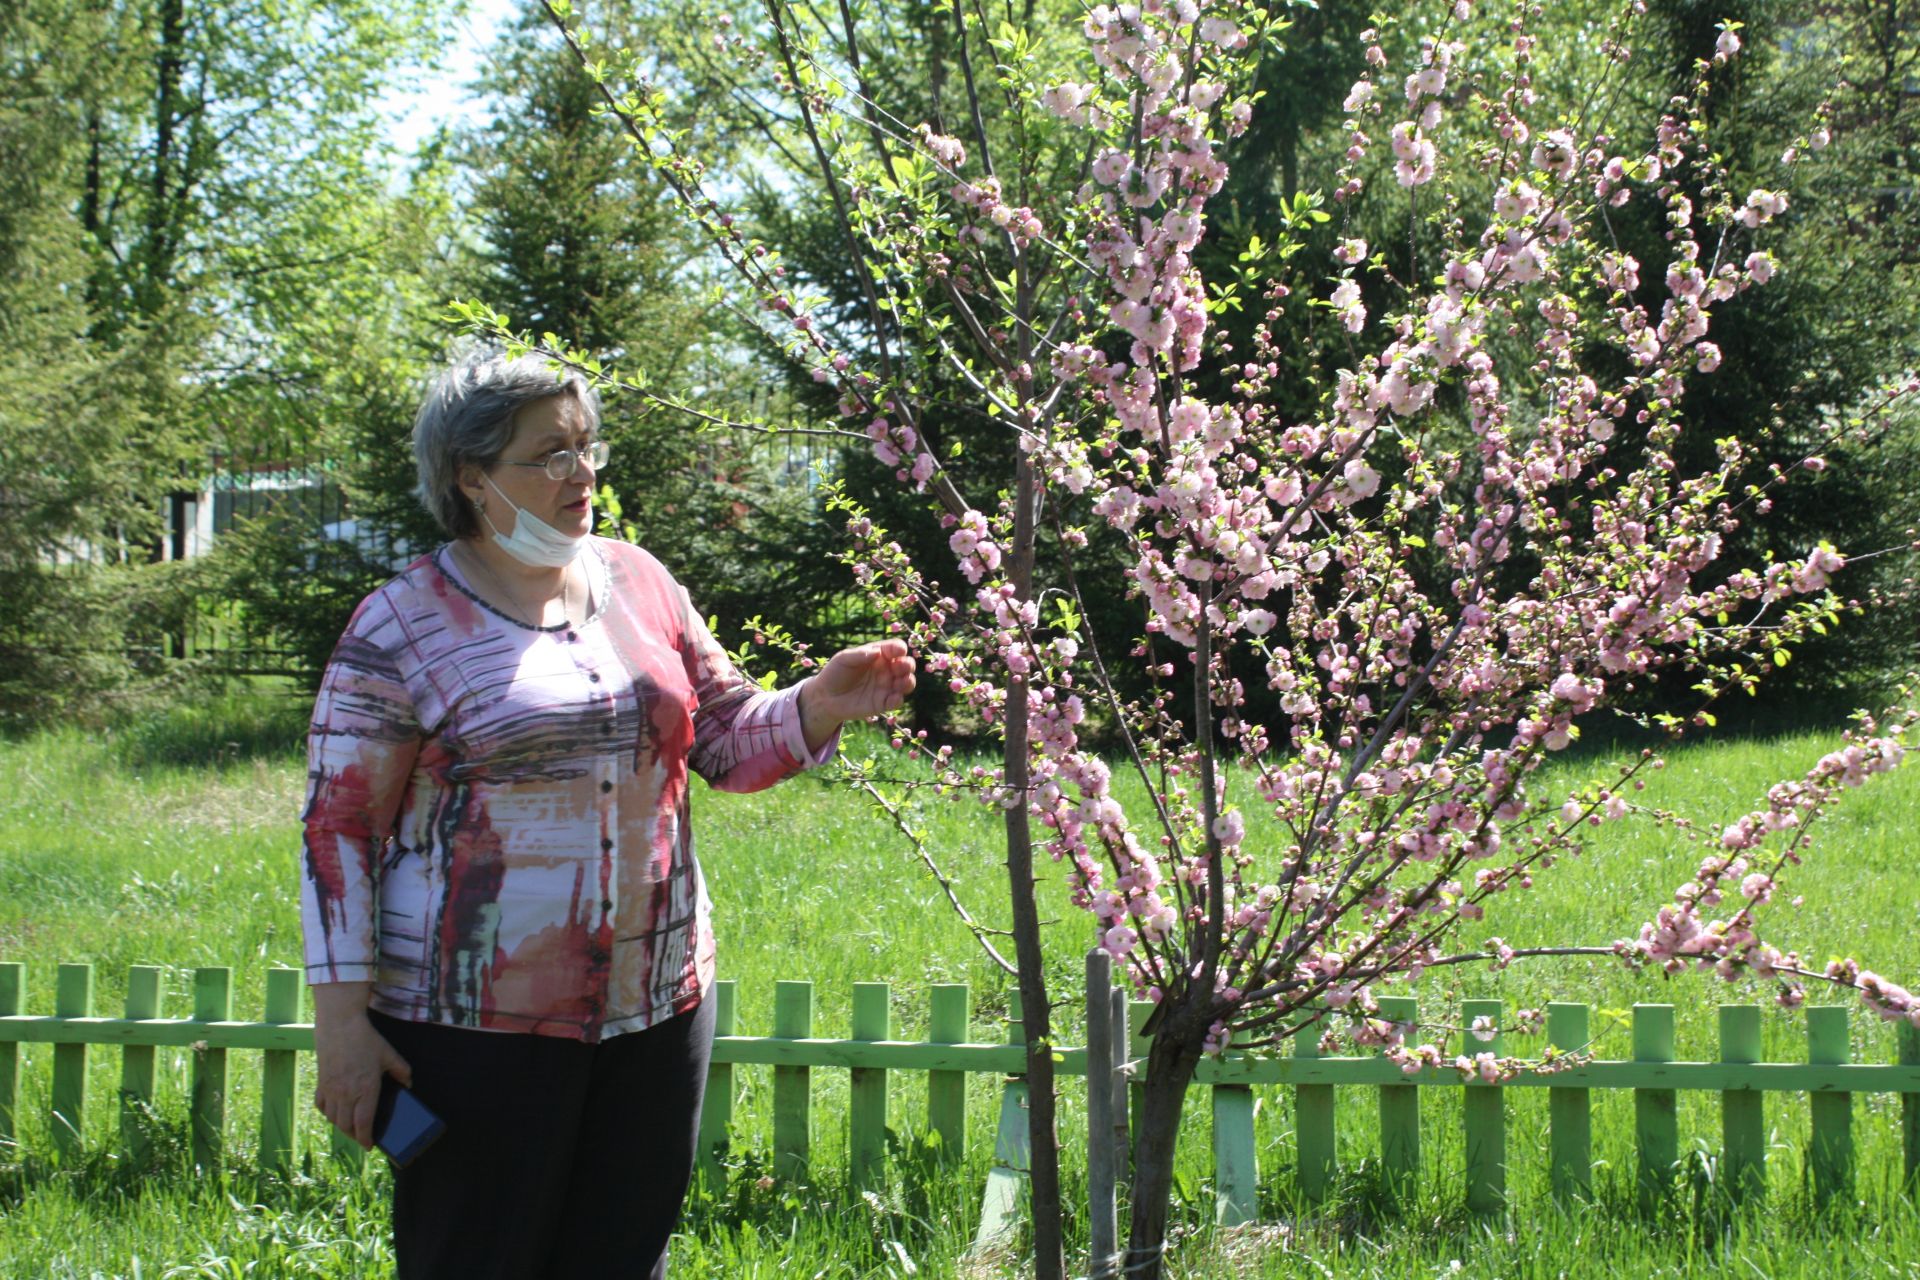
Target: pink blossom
[[1814, 574], [1187, 419], [1761, 207], [1222, 32], [1555, 153], [1111, 166], [1415, 153], [1428, 82], [1516, 201], [950, 152], [1066, 99], [1230, 828], [1347, 305]]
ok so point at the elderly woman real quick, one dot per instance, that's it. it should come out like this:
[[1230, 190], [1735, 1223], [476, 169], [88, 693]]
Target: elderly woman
[[501, 902]]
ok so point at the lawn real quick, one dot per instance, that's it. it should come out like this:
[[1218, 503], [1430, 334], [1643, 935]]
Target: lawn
[[174, 844]]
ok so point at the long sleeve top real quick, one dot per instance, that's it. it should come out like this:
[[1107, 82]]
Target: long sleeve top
[[496, 827]]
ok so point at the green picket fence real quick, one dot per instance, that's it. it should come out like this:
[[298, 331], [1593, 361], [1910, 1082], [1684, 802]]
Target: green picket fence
[[870, 1054]]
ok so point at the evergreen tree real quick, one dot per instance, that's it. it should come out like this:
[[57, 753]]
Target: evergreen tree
[[1811, 349]]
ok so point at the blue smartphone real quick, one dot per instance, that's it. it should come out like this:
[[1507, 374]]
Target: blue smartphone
[[403, 1126]]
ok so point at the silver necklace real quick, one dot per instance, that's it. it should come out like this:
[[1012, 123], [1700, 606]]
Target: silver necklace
[[566, 592]]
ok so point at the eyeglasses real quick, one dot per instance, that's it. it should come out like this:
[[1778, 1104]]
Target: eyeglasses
[[562, 463]]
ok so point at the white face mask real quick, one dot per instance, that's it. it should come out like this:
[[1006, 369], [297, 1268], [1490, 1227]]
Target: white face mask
[[533, 541]]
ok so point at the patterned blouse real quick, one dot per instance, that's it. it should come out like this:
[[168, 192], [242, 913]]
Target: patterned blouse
[[497, 825]]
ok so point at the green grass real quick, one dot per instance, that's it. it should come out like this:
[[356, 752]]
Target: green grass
[[174, 843]]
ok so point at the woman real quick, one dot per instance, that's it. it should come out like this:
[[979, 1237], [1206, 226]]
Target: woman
[[501, 902]]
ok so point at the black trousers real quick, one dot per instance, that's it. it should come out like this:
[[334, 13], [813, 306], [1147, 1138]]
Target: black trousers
[[560, 1159]]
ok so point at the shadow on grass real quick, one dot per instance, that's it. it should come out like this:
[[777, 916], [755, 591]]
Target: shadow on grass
[[326, 1221], [1736, 719], [164, 1164], [252, 723]]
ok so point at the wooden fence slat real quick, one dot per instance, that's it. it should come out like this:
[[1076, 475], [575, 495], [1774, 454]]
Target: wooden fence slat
[[1570, 1110], [1103, 1231], [137, 1067], [1743, 1121], [73, 998], [1236, 1169], [1400, 1115], [947, 1017], [212, 1002], [792, 1086], [1484, 1112], [1119, 1023], [344, 1151], [1313, 1134], [716, 1105], [1139, 1047], [1830, 1153], [13, 988], [1012, 1151], [867, 1104], [278, 1068], [1656, 1120], [1909, 1036]]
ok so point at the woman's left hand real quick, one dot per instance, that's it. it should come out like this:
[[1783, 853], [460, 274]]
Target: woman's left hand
[[856, 683]]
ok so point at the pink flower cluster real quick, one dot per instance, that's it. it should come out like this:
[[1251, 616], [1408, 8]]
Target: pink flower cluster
[[1683, 935]]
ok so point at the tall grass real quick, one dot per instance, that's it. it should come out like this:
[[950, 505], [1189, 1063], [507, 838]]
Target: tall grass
[[174, 843]]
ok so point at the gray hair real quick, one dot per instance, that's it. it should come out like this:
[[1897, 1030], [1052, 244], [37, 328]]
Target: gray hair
[[467, 417]]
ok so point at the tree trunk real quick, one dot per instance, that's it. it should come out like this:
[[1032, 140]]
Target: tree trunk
[[1170, 1065], [1043, 1144], [156, 256]]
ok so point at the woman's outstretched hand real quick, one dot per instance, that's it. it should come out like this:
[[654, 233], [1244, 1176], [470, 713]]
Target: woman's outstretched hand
[[856, 683]]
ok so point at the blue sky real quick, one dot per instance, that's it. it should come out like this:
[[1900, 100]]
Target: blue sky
[[433, 98]]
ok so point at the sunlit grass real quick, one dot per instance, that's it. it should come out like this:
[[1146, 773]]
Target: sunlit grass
[[175, 844]]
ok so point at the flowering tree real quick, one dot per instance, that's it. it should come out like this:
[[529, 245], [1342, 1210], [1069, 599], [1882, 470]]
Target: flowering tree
[[1480, 538]]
